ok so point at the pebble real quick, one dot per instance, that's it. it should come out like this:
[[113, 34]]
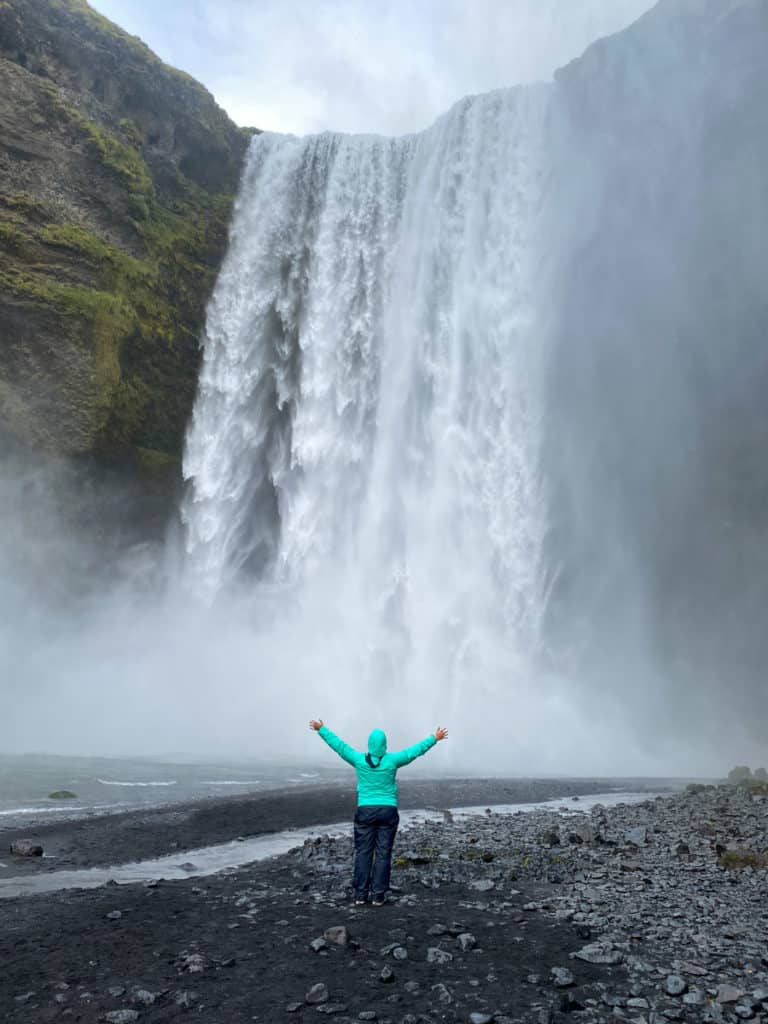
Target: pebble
[[435, 955], [481, 1018], [675, 985], [387, 975], [338, 935], [318, 944], [318, 993], [729, 994], [121, 1016], [466, 941], [114, 915], [562, 977]]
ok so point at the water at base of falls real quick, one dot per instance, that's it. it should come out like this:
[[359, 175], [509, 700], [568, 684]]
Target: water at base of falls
[[364, 449]]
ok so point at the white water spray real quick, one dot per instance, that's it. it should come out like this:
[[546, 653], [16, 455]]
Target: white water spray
[[366, 439]]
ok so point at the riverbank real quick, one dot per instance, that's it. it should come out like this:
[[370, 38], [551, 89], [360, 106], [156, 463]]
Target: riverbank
[[140, 834], [619, 913]]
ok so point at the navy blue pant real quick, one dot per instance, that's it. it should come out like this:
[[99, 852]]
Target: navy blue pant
[[375, 829]]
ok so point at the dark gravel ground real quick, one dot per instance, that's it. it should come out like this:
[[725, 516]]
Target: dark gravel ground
[[235, 947]]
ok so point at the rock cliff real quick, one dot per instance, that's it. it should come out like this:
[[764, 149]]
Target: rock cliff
[[117, 175]]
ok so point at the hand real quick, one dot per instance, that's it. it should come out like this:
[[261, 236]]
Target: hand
[[440, 733], [316, 724]]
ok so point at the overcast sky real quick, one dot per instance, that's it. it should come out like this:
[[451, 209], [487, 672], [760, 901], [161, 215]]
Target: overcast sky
[[389, 66]]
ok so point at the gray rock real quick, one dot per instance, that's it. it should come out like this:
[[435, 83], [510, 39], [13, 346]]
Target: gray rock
[[194, 963], [400, 953], [25, 997], [412, 987], [318, 993], [744, 1011], [466, 941], [143, 996], [330, 1008], [316, 945], [185, 998], [482, 885], [675, 985], [729, 994], [481, 1018], [116, 991], [387, 975], [26, 848], [293, 1007], [121, 1016], [696, 997], [637, 836], [599, 953], [338, 935], [637, 1003], [367, 1015], [435, 955], [441, 994], [114, 915], [562, 977], [438, 929]]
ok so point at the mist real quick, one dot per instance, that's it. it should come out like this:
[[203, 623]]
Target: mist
[[478, 442]]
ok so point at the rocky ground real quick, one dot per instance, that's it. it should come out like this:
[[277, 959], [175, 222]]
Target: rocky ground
[[627, 913]]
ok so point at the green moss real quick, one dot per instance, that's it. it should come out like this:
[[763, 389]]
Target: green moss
[[123, 160], [12, 239], [736, 860], [62, 794], [155, 463]]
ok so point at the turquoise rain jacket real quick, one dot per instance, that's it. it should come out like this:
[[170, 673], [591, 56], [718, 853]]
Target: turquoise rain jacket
[[376, 770]]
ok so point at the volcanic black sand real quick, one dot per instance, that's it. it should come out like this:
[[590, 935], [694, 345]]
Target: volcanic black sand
[[236, 947]]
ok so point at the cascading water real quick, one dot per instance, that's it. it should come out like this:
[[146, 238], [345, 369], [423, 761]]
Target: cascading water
[[366, 438]]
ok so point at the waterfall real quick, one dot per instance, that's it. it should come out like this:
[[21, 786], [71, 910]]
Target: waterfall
[[365, 444]]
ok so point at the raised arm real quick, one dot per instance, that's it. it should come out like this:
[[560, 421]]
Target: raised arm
[[403, 757], [337, 745]]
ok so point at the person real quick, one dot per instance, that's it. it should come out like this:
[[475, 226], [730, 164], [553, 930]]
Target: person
[[376, 818]]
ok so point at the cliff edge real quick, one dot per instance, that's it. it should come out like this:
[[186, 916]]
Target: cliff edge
[[117, 175]]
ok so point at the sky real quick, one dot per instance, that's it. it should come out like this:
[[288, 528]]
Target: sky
[[385, 66]]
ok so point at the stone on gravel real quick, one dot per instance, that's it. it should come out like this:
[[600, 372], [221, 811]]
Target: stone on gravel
[[25, 997], [694, 998], [481, 1018], [121, 1016], [636, 836], [599, 953], [293, 1007], [114, 915], [143, 996], [338, 935], [438, 929], [729, 994], [744, 1011], [317, 944], [466, 941], [435, 955], [318, 993], [185, 998], [675, 985], [400, 953], [562, 977], [482, 885], [26, 848], [441, 994], [387, 975], [367, 1015]]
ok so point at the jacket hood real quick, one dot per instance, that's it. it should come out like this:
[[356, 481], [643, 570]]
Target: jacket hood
[[377, 743]]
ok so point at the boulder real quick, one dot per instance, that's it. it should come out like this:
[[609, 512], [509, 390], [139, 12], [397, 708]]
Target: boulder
[[26, 848]]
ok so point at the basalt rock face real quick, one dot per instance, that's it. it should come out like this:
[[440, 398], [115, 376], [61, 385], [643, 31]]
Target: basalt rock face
[[117, 175]]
